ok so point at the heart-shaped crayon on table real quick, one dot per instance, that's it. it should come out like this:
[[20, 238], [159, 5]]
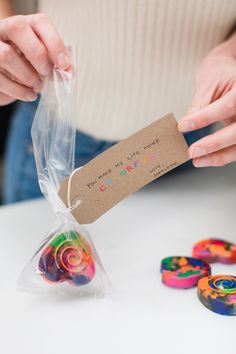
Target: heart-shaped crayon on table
[[215, 250], [68, 257], [218, 294], [183, 272]]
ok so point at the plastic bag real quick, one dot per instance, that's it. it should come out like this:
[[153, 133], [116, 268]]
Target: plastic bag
[[67, 261]]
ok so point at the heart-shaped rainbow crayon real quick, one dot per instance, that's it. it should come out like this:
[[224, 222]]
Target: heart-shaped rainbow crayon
[[215, 250], [183, 272], [218, 294], [68, 257]]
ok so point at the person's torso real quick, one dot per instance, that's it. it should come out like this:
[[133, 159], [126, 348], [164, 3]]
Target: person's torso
[[137, 58]]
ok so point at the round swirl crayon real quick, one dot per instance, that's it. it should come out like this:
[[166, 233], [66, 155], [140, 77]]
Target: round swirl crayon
[[183, 272], [68, 257], [215, 250], [218, 294]]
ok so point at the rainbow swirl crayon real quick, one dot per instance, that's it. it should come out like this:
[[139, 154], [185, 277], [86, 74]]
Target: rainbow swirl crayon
[[218, 294], [215, 250], [68, 257], [183, 272]]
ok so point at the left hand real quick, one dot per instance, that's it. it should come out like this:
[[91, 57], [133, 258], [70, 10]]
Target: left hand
[[214, 101]]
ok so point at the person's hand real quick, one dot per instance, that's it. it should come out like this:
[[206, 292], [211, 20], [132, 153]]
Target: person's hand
[[214, 101], [29, 45]]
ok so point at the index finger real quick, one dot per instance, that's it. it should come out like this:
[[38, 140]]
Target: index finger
[[223, 108], [46, 31]]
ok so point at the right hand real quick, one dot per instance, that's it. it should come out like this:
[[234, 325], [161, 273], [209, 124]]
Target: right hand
[[29, 45]]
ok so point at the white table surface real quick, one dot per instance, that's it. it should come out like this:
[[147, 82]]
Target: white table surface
[[165, 218]]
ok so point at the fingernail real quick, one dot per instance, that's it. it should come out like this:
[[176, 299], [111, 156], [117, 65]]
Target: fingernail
[[202, 162], [30, 96], [44, 70], [186, 125], [196, 152], [38, 90], [63, 61]]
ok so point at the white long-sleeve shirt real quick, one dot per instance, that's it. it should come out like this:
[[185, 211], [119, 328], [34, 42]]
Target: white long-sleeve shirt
[[137, 59]]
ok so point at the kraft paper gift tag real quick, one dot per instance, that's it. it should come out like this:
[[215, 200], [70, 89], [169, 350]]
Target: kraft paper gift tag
[[124, 168]]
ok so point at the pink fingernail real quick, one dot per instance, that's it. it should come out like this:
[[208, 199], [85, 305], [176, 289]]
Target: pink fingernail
[[63, 61], [186, 125], [202, 162], [30, 96], [197, 152]]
